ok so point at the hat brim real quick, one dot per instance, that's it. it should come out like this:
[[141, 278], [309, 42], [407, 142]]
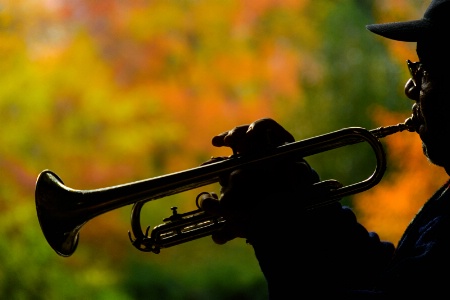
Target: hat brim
[[409, 31]]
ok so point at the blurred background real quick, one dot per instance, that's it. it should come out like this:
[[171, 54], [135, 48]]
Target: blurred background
[[109, 92]]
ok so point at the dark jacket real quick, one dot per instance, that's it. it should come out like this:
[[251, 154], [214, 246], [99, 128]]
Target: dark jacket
[[331, 254]]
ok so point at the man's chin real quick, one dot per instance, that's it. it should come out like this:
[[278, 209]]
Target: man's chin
[[440, 157]]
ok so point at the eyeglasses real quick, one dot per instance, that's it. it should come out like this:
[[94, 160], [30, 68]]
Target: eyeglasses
[[416, 70]]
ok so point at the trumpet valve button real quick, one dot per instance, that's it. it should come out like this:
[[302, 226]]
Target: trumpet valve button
[[174, 210], [174, 217]]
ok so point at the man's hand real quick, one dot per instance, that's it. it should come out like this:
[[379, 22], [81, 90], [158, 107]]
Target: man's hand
[[260, 135], [253, 198]]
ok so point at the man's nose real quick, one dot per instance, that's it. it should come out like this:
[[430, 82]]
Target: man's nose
[[412, 91]]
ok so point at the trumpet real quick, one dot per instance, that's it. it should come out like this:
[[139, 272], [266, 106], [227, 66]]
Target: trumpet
[[62, 211]]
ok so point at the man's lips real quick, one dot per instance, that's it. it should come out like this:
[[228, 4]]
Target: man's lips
[[417, 119]]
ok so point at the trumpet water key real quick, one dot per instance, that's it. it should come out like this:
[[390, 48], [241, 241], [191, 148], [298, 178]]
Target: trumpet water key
[[62, 211]]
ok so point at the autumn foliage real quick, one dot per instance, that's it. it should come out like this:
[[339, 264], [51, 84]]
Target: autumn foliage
[[109, 92]]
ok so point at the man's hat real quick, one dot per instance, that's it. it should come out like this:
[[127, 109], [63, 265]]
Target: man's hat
[[435, 21]]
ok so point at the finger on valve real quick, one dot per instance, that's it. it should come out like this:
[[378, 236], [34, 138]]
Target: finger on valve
[[260, 135]]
